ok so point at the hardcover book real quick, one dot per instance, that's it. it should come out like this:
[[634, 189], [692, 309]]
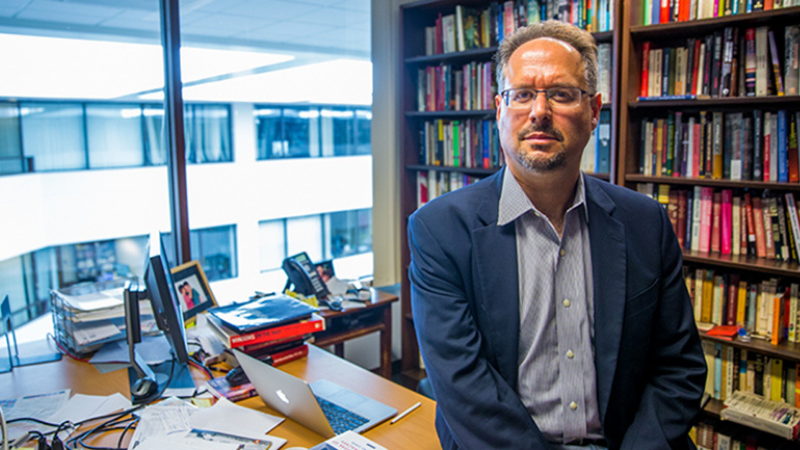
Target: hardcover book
[[262, 313]]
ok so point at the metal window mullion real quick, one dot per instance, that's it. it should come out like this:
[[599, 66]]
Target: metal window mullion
[[176, 141], [84, 121]]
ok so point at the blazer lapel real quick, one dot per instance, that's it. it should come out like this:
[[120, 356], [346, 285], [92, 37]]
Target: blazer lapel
[[608, 274], [496, 284]]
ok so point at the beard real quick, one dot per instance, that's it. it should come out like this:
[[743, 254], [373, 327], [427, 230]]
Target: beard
[[527, 155]]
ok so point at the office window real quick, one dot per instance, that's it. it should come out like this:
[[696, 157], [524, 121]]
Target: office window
[[272, 244], [155, 152], [304, 234], [114, 134], [350, 232], [11, 160], [207, 132], [215, 248], [297, 127], [343, 126], [269, 131], [363, 132], [53, 136]]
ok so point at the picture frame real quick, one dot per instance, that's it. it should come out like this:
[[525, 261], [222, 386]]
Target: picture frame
[[191, 287]]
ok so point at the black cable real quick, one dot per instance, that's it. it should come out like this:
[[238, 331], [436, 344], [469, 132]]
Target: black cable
[[125, 431], [116, 418], [169, 380], [201, 366], [33, 419]]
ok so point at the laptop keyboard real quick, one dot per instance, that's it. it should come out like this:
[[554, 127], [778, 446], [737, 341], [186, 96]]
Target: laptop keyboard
[[341, 420]]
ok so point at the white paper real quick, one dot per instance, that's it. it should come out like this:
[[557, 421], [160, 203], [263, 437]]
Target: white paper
[[348, 440], [158, 421], [153, 349], [229, 418], [182, 443], [36, 406], [82, 407]]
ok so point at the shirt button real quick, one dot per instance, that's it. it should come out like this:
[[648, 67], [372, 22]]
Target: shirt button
[[567, 303], [573, 405], [570, 354], [562, 252]]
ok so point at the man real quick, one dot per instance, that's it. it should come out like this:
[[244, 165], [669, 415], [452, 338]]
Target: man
[[550, 307]]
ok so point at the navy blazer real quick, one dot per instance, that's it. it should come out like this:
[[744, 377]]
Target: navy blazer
[[465, 292]]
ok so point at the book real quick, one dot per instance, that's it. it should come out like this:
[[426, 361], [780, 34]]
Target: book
[[774, 417], [232, 339], [262, 313], [349, 440]]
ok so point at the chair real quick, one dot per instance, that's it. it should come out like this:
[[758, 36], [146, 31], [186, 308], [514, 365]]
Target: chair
[[424, 388]]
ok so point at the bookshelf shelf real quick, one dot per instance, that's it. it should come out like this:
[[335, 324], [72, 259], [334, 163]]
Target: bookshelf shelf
[[787, 351], [674, 30], [770, 101], [452, 58], [449, 114], [746, 263], [467, 170], [758, 185]]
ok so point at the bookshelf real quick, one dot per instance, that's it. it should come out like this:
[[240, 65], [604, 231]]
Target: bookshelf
[[414, 19], [736, 174]]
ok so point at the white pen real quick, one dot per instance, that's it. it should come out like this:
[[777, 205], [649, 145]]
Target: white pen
[[406, 412]]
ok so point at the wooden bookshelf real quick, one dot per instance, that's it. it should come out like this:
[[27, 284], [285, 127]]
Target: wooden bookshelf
[[414, 17], [633, 35]]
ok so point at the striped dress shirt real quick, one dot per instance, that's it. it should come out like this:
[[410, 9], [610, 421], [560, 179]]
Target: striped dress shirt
[[557, 381]]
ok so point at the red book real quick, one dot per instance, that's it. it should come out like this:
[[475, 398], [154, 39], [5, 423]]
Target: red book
[[758, 219], [682, 205], [439, 44], [683, 10], [751, 226], [733, 297], [706, 199], [696, 64], [643, 87], [726, 222], [664, 13], [716, 226], [794, 168], [233, 340]]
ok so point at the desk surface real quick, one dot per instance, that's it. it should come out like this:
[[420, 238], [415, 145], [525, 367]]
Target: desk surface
[[415, 431]]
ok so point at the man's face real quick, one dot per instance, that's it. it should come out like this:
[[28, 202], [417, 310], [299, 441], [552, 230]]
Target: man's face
[[546, 138]]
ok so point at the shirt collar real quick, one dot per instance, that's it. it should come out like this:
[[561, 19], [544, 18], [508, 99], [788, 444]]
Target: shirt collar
[[514, 203]]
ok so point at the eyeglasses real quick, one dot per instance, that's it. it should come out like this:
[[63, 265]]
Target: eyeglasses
[[561, 97]]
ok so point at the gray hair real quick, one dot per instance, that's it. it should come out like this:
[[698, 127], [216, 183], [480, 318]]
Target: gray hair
[[580, 40]]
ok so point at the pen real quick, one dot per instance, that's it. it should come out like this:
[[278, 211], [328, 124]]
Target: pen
[[406, 412]]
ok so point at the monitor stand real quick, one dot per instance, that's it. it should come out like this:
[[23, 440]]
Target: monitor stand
[[181, 381]]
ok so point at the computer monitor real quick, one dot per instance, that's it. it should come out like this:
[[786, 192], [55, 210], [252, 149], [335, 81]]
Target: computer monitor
[[161, 291], [147, 381]]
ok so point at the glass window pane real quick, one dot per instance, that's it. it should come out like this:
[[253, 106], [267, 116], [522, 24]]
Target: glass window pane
[[269, 130], [351, 232], [272, 244], [364, 130], [114, 133], [155, 147], [304, 234], [52, 134], [207, 133], [343, 121], [10, 149], [215, 248], [297, 126]]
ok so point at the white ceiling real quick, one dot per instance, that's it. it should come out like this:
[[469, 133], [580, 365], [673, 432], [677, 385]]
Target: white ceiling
[[321, 42], [315, 26]]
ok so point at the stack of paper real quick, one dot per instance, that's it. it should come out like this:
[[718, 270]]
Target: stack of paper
[[85, 318]]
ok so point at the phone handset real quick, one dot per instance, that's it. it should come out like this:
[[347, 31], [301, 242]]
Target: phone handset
[[301, 273]]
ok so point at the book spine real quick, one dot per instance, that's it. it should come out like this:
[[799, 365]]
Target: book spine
[[271, 334]]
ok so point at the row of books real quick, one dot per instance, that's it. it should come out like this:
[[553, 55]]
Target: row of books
[[460, 143], [731, 222], [767, 309], [471, 86], [468, 28], [715, 435], [728, 63], [433, 183], [597, 153], [275, 329], [665, 11], [756, 145], [773, 416], [733, 370]]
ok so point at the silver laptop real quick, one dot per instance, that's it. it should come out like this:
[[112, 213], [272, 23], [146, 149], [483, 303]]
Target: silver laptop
[[321, 406]]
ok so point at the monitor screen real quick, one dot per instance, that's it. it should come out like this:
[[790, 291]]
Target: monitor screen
[[160, 289]]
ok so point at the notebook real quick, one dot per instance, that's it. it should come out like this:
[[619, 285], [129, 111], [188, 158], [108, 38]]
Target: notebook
[[321, 406]]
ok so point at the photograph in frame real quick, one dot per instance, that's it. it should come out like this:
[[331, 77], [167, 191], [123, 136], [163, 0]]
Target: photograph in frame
[[192, 289]]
